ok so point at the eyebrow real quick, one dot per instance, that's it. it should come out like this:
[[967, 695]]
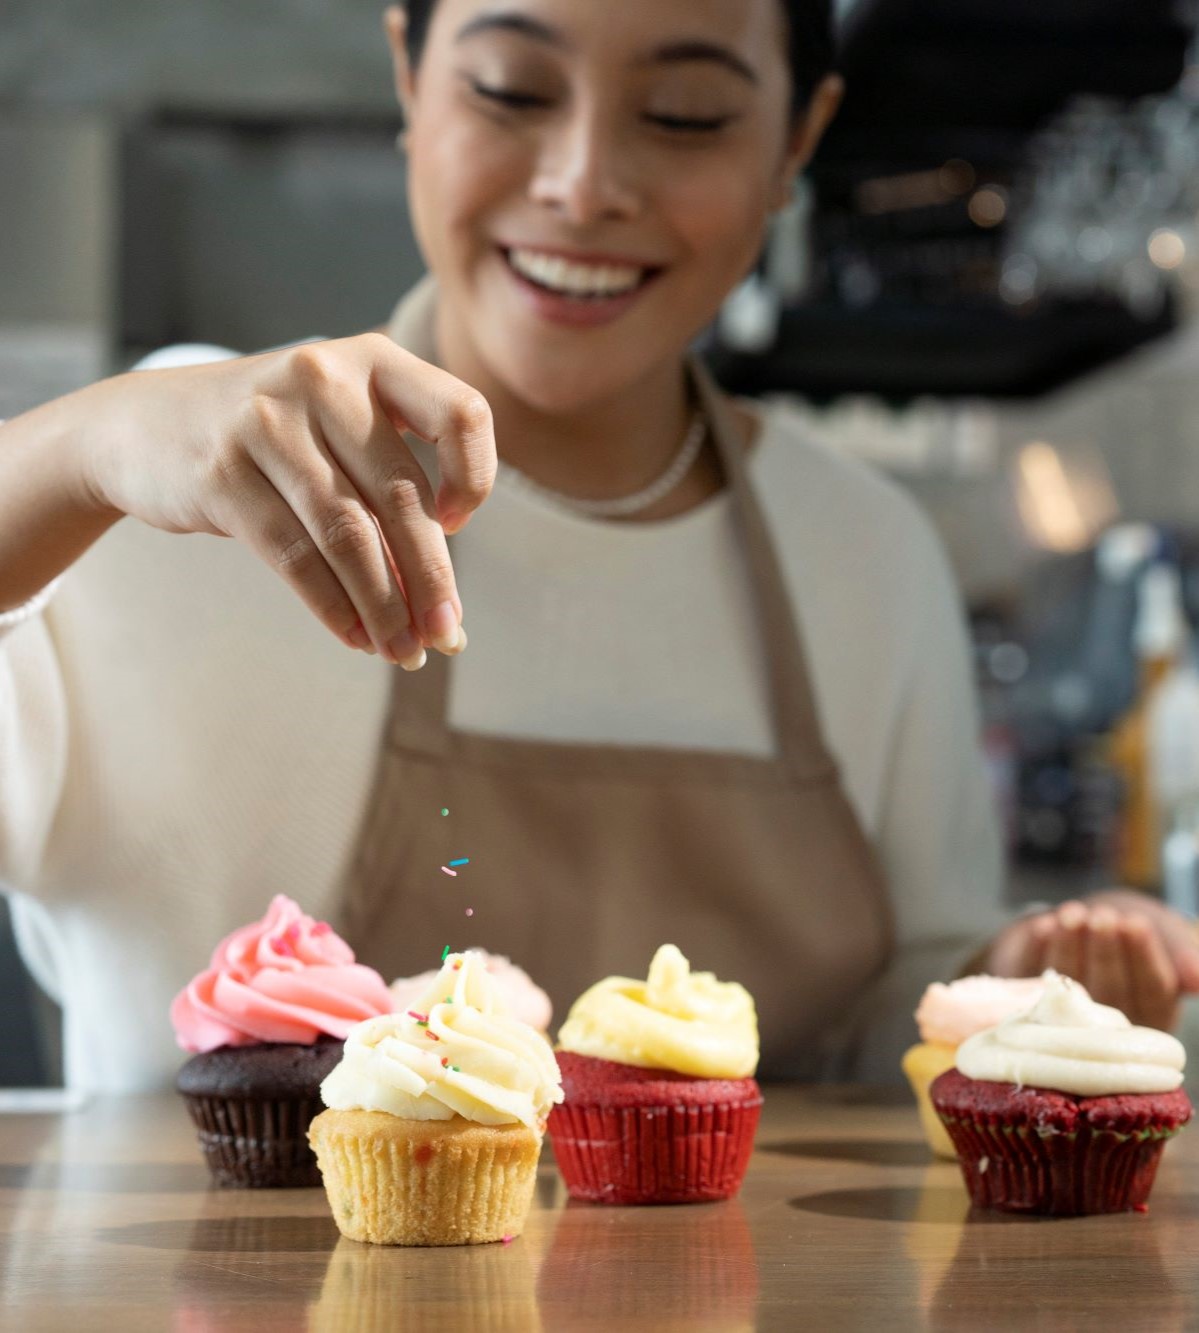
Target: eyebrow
[[673, 53], [511, 21], [679, 53]]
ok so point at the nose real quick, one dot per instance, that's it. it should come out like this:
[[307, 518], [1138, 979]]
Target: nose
[[583, 173]]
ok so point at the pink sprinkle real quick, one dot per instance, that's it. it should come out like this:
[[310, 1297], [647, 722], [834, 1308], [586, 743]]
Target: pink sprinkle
[[470, 911], [420, 1018], [507, 1240], [445, 870]]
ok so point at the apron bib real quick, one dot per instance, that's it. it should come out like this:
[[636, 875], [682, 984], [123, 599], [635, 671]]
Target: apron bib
[[585, 857]]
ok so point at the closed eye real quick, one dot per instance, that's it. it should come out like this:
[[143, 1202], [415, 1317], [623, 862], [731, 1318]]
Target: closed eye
[[691, 124], [509, 97]]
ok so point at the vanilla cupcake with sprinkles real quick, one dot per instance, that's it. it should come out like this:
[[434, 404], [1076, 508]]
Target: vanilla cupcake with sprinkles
[[435, 1117]]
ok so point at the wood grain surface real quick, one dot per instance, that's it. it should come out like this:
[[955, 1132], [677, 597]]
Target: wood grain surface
[[107, 1222]]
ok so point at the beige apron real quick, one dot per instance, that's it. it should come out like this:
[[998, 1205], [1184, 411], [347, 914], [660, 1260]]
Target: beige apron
[[584, 857]]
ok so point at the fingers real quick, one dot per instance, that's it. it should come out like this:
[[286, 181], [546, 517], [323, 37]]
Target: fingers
[[1152, 978], [1106, 962], [392, 483], [441, 409], [1020, 949], [1064, 946], [254, 513]]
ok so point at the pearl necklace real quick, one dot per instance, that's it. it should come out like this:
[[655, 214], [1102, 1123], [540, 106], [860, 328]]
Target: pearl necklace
[[626, 505]]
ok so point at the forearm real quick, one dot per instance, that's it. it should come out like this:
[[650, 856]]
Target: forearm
[[48, 515]]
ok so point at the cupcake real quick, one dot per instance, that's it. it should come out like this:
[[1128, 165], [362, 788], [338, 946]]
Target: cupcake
[[661, 1105], [266, 1021], [946, 1016], [524, 999], [1064, 1110], [435, 1117]]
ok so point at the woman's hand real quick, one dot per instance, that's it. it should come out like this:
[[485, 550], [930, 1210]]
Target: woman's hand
[[1128, 950], [300, 455]]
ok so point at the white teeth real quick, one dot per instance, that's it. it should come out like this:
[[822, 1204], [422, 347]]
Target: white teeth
[[561, 275]]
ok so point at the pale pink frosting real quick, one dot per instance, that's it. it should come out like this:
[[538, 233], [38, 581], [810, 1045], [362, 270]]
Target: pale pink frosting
[[951, 1013], [524, 999], [286, 978]]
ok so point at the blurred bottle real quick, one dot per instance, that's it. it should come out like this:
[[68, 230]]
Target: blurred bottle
[[1180, 860], [1174, 768], [1159, 639]]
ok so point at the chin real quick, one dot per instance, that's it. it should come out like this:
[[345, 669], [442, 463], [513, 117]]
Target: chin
[[563, 385]]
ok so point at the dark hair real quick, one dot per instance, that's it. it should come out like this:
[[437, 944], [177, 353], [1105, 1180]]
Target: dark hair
[[809, 42]]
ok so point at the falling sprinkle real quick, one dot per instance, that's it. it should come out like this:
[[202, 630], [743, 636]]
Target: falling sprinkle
[[470, 911], [445, 953], [444, 811], [445, 870], [461, 861]]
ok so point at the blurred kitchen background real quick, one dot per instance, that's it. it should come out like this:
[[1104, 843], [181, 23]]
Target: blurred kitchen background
[[985, 287]]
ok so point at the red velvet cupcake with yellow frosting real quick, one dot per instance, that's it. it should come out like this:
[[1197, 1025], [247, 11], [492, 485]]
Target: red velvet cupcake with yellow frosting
[[266, 1022], [660, 1101]]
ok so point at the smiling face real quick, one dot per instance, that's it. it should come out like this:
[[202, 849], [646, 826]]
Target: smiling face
[[588, 181]]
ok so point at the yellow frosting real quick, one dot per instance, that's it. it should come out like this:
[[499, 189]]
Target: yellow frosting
[[676, 1019], [457, 1050]]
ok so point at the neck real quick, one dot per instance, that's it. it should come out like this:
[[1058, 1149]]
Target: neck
[[602, 450]]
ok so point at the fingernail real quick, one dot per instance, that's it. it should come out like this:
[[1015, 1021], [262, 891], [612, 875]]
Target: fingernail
[[458, 647], [359, 638], [442, 628], [406, 650], [1072, 915], [453, 524]]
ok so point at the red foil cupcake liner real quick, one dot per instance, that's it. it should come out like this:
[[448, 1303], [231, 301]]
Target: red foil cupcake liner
[[1032, 1150], [667, 1154], [256, 1143]]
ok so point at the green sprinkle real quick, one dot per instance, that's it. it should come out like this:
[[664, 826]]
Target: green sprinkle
[[456, 1069], [445, 953], [444, 811], [420, 1024], [449, 999]]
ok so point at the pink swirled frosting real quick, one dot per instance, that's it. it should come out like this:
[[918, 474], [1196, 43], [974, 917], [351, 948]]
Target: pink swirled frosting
[[286, 978]]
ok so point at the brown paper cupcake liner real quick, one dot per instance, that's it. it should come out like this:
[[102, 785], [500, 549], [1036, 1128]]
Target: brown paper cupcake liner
[[257, 1143], [392, 1181]]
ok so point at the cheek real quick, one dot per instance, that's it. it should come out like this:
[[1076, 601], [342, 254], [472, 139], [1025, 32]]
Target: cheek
[[457, 172], [719, 216]]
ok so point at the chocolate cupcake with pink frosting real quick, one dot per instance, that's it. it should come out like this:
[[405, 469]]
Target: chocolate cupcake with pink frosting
[[267, 1021]]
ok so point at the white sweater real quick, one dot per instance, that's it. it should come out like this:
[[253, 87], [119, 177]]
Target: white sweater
[[180, 739]]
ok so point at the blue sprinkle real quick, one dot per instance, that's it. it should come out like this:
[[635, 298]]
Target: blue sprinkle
[[461, 861]]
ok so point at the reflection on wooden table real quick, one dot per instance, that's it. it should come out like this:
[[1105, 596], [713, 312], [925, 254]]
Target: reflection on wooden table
[[845, 1222]]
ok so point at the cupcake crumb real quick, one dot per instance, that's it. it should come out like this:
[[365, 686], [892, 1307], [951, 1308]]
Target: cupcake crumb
[[983, 1163]]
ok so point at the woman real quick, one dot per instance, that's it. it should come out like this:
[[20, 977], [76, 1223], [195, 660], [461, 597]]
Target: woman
[[720, 689]]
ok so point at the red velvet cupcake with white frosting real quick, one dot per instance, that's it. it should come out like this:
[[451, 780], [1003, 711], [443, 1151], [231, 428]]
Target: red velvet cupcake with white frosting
[[267, 1021]]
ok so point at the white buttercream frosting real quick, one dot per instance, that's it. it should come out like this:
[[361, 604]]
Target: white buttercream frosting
[[455, 1051], [1068, 1043]]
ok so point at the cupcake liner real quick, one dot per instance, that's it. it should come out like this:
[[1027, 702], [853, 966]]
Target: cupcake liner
[[653, 1154], [256, 1143], [392, 1181], [1044, 1152]]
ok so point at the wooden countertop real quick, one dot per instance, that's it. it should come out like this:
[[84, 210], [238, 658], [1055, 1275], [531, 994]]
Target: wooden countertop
[[108, 1223]]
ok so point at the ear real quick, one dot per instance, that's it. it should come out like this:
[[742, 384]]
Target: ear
[[808, 131], [395, 25]]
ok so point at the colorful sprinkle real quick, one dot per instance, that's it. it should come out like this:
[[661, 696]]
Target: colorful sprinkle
[[457, 1070], [507, 1240], [445, 870], [445, 1062], [444, 811], [429, 1032], [461, 861], [420, 1018], [458, 965], [445, 953], [470, 911], [449, 999]]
